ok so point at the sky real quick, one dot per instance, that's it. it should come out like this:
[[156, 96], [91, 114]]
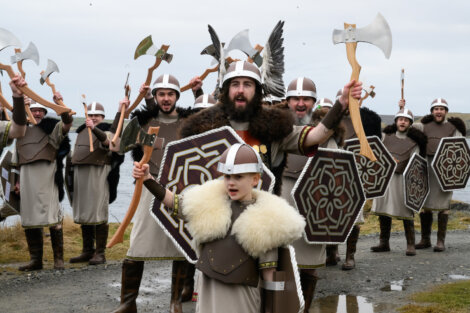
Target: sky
[[93, 44]]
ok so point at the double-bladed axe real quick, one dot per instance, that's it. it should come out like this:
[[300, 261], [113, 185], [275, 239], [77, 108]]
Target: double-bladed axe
[[377, 33]]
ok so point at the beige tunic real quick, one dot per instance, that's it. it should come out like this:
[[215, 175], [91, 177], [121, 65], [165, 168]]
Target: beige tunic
[[392, 204], [39, 202]]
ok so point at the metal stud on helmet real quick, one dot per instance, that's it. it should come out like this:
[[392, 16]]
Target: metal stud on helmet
[[238, 159], [166, 81], [302, 87]]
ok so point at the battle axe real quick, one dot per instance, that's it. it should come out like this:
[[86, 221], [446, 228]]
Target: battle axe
[[90, 137], [132, 135], [146, 47], [8, 39], [127, 93], [402, 85], [369, 91], [52, 68], [377, 33], [241, 41]]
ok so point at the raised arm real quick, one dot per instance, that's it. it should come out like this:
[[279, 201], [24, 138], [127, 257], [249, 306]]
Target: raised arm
[[161, 194], [18, 124]]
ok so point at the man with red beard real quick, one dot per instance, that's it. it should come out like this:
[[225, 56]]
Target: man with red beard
[[435, 126], [160, 110]]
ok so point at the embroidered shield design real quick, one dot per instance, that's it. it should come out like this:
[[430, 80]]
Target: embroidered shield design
[[416, 182], [329, 195], [189, 162], [375, 176], [10, 175], [451, 163]]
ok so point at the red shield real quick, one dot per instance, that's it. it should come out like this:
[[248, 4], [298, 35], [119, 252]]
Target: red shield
[[416, 183]]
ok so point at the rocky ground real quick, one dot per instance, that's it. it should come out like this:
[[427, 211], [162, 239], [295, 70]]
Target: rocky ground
[[369, 288]]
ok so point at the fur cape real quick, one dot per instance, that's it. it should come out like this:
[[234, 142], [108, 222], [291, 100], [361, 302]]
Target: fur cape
[[456, 121], [47, 125], [371, 122], [268, 223], [116, 161], [414, 134]]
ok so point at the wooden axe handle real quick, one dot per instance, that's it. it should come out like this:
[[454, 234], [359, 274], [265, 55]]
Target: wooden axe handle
[[31, 118], [119, 127], [354, 103], [5, 103], [90, 137], [20, 64], [203, 76], [119, 235], [25, 89], [402, 84]]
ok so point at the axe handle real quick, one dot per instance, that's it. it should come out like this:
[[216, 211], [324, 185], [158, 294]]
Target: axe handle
[[202, 77], [147, 82], [90, 136], [119, 235], [20, 64], [402, 84], [5, 104], [25, 89], [31, 118], [5, 112], [354, 103], [60, 102], [119, 127]]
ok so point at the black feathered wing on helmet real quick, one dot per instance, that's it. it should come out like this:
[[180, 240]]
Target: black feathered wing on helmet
[[272, 68]]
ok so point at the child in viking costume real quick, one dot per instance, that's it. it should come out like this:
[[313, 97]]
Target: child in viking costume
[[402, 141], [237, 230]]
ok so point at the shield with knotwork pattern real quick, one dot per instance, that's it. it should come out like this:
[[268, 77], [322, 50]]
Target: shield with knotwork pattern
[[329, 195], [189, 162], [416, 182]]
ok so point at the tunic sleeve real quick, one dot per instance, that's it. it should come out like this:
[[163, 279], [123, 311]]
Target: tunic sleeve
[[268, 259], [4, 130], [56, 137]]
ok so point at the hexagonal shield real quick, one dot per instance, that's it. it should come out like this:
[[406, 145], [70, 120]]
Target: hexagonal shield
[[10, 175], [189, 162], [451, 163], [375, 176], [329, 195], [416, 183]]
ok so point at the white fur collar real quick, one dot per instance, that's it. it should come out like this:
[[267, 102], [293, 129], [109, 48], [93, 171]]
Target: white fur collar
[[268, 223]]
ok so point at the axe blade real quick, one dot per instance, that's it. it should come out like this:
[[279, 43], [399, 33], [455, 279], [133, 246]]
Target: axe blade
[[134, 135], [31, 53], [377, 33], [51, 68], [241, 41], [8, 39]]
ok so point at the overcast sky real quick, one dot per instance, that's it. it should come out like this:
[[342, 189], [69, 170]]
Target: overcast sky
[[93, 43]]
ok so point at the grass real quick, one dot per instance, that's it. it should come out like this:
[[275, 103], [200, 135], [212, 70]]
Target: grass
[[447, 298], [13, 247]]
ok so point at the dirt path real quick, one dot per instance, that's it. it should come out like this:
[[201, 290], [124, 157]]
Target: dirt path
[[97, 289]]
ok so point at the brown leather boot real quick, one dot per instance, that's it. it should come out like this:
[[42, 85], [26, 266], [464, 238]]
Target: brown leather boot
[[385, 227], [101, 239], [130, 282], [308, 283], [426, 225], [332, 255], [410, 237], [57, 240], [88, 250], [178, 276], [442, 220], [34, 238], [188, 288], [350, 263]]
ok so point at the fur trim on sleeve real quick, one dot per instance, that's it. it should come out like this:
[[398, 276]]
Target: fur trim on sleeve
[[459, 124], [205, 120], [390, 129], [420, 138], [427, 119], [271, 124]]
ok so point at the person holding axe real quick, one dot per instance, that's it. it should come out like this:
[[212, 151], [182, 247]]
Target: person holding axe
[[95, 180], [39, 155]]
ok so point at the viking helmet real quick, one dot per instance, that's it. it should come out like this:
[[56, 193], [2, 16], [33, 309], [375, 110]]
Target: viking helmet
[[302, 87], [204, 101], [240, 158], [404, 113], [35, 105], [243, 69], [166, 81], [96, 108], [325, 102], [439, 102]]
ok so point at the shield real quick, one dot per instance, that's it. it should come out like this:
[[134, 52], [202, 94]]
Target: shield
[[416, 182], [375, 176], [284, 293], [329, 195], [68, 181], [451, 163], [10, 175], [190, 162]]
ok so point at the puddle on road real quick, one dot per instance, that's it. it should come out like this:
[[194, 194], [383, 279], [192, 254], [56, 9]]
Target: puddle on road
[[458, 277], [347, 304], [394, 286]]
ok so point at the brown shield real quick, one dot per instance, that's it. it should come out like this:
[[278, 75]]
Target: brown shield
[[189, 162], [329, 195], [451, 163], [416, 183], [10, 175], [375, 176]]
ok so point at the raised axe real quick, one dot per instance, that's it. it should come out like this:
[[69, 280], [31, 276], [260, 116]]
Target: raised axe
[[377, 33], [241, 41], [127, 93], [146, 47], [51, 68], [90, 136], [31, 53], [132, 135], [402, 85], [8, 39], [368, 91]]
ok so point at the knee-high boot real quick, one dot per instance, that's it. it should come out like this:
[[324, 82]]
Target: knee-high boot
[[332, 255], [410, 237], [350, 263], [57, 241], [385, 227], [88, 250], [188, 288], [308, 281], [130, 283], [426, 225], [101, 239], [442, 220], [34, 238], [178, 276]]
